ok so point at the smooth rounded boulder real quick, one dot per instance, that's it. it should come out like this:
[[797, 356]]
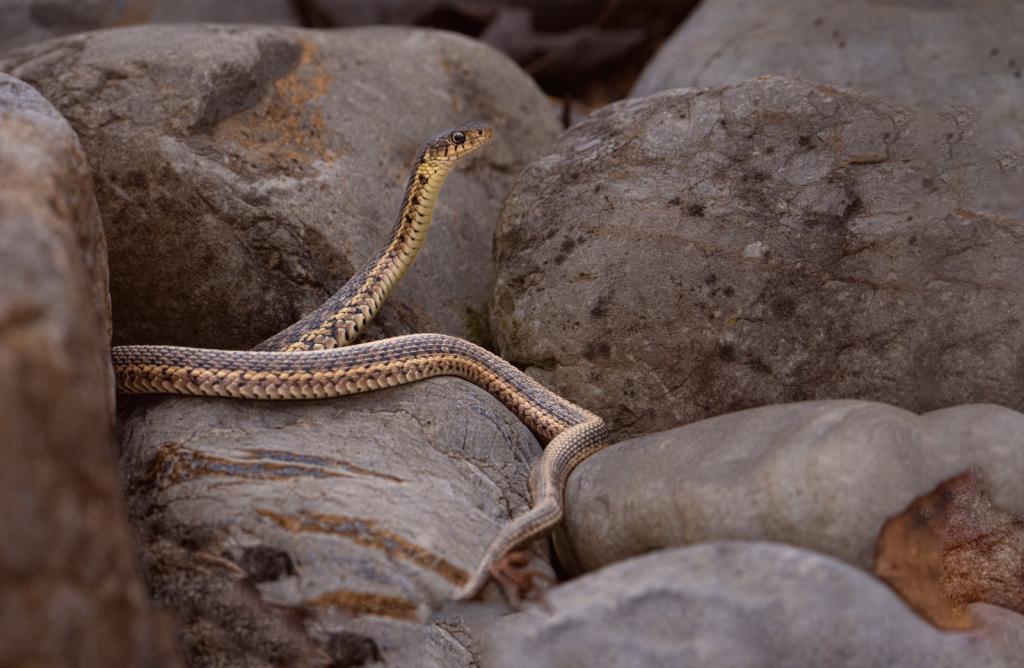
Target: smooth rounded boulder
[[755, 605], [822, 475]]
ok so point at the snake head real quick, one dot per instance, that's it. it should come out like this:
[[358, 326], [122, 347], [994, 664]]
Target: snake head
[[458, 142]]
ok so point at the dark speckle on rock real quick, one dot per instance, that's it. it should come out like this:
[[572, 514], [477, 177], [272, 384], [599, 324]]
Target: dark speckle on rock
[[351, 650], [266, 564], [784, 308], [597, 350]]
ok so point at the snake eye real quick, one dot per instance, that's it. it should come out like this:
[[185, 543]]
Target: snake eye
[[459, 137]]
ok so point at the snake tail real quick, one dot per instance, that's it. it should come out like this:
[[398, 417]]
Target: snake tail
[[547, 484]]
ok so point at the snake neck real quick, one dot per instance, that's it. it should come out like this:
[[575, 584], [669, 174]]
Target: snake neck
[[341, 319]]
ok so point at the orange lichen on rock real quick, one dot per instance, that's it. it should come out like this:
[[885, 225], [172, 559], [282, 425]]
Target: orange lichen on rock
[[364, 532], [363, 603], [286, 129]]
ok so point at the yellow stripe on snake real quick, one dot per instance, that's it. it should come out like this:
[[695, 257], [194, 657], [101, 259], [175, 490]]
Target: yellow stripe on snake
[[310, 360]]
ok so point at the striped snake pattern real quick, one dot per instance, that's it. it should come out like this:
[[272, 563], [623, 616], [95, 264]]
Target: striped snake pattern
[[311, 359]]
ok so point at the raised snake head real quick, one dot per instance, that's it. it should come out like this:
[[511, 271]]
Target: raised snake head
[[458, 142]]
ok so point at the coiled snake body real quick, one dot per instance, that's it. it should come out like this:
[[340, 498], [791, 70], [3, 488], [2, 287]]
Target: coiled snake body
[[309, 361]]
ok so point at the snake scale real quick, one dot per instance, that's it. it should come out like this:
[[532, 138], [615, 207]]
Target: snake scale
[[312, 358]]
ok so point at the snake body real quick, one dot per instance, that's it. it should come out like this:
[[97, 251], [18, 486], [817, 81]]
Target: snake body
[[310, 360]]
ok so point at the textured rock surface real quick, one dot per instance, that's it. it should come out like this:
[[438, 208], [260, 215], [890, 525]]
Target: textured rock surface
[[694, 253], [244, 174], [549, 15], [261, 12], [346, 515], [28, 21], [922, 53], [822, 475], [738, 604], [70, 594]]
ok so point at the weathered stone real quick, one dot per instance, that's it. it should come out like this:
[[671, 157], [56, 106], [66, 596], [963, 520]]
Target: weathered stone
[[695, 253], [822, 475], [261, 12], [70, 594], [244, 174], [549, 15], [571, 53], [350, 513], [28, 21], [922, 53], [740, 604]]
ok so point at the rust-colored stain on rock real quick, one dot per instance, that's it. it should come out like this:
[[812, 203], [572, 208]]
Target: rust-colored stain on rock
[[362, 603], [363, 532], [286, 131], [318, 461], [176, 463]]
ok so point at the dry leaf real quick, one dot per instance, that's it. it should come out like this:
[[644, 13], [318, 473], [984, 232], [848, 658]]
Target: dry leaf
[[909, 556], [950, 548], [983, 558]]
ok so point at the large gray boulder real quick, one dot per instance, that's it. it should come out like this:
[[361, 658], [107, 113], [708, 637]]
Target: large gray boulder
[[755, 605], [823, 475], [70, 593], [921, 53], [244, 174], [300, 532], [694, 253]]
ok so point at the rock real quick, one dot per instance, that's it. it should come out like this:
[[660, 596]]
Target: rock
[[262, 12], [822, 475], [1000, 627], [29, 21], [573, 52], [281, 532], [737, 604], [70, 594], [923, 54], [695, 253], [244, 174], [551, 15]]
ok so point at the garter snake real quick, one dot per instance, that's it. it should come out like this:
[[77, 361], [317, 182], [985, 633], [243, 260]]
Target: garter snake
[[311, 359]]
